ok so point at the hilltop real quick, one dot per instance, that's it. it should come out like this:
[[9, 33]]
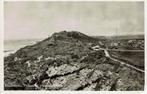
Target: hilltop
[[65, 61]]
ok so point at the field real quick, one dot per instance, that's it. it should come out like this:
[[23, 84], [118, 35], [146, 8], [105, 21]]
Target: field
[[135, 58]]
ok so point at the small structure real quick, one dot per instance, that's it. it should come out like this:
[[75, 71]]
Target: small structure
[[96, 48]]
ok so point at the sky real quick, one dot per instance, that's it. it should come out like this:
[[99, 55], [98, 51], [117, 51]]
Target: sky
[[29, 20]]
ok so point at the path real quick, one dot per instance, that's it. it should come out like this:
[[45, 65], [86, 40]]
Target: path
[[108, 55]]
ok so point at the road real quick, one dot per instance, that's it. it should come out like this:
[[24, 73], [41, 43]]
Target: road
[[121, 62]]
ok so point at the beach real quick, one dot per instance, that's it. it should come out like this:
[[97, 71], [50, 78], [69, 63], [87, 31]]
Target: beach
[[11, 46]]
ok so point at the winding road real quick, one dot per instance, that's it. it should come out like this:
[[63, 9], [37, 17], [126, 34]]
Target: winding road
[[96, 48]]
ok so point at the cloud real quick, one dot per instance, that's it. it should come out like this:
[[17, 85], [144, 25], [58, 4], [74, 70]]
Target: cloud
[[39, 19]]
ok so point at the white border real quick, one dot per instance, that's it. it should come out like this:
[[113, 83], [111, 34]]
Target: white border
[[1, 45], [64, 92], [145, 32], [75, 0]]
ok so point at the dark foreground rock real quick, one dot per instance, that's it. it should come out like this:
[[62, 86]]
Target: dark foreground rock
[[65, 61]]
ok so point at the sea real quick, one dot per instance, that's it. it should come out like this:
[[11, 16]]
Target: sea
[[11, 46]]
